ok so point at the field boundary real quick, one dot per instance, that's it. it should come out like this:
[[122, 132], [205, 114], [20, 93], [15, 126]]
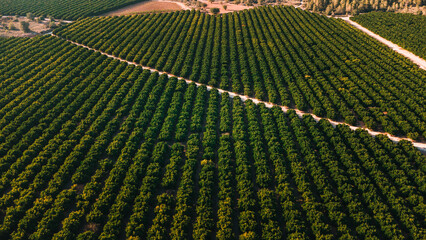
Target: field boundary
[[413, 57], [132, 9], [419, 145]]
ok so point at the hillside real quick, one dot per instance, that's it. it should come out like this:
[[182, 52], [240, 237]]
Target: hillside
[[93, 148]]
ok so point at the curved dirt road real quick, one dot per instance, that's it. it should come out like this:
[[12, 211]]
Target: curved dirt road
[[418, 145]]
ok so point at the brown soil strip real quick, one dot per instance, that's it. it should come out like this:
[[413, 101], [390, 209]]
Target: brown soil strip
[[144, 7]]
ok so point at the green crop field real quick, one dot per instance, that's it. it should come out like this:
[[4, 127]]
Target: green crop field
[[92, 147], [278, 54], [406, 30], [95, 148], [61, 9]]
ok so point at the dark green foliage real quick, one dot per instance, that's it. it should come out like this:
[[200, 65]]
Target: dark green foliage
[[214, 10], [406, 30], [277, 54], [93, 148], [25, 27], [61, 9]]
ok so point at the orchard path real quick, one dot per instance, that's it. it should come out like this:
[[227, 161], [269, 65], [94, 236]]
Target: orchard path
[[421, 146], [414, 58]]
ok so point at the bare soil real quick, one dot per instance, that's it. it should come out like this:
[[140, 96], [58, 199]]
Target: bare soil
[[144, 7], [36, 27], [230, 7]]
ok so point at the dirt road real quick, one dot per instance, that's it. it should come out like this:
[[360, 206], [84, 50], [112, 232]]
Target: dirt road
[[419, 145], [414, 58]]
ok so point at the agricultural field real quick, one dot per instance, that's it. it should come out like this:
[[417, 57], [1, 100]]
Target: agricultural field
[[95, 148], [406, 30], [277, 54], [61, 9]]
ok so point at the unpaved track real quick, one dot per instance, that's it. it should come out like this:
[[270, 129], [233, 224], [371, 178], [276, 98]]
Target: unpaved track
[[414, 58], [230, 6], [419, 145]]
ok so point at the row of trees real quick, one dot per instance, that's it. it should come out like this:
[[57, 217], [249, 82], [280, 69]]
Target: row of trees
[[67, 166], [112, 150], [94, 186], [246, 201], [354, 7], [269, 222], [374, 190], [277, 54], [406, 30], [97, 101], [294, 225], [139, 175], [129, 136], [204, 223], [62, 9], [369, 87], [226, 173]]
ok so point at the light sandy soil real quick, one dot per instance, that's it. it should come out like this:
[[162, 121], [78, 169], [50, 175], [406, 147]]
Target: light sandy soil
[[230, 7], [36, 28], [414, 58], [299, 4], [150, 6], [171, 5], [419, 145], [239, 7]]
